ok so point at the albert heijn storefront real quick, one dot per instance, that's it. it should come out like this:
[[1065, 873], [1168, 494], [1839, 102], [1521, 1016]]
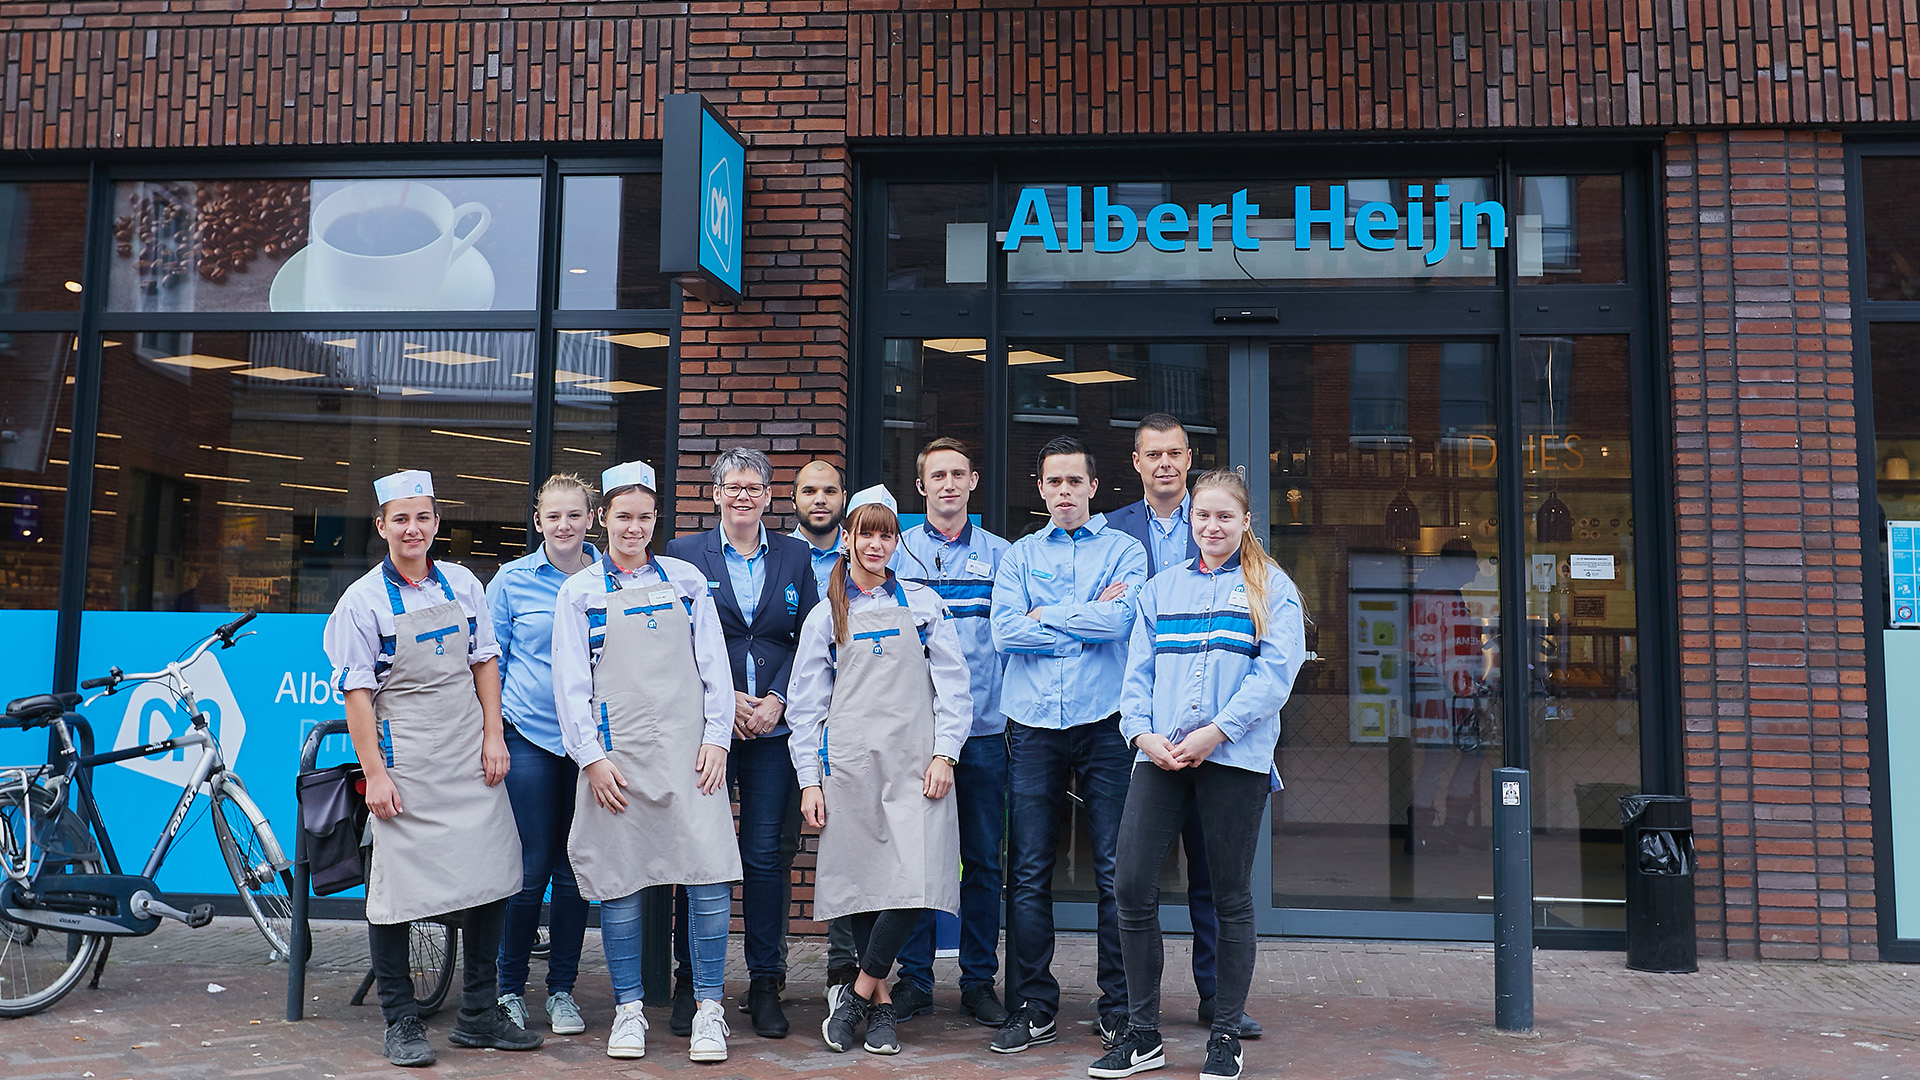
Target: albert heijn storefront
[[1570, 381]]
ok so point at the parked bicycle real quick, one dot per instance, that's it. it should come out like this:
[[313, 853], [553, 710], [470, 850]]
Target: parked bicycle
[[64, 897]]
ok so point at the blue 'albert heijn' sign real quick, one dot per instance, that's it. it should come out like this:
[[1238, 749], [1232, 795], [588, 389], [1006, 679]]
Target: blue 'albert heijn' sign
[[702, 199], [1431, 225]]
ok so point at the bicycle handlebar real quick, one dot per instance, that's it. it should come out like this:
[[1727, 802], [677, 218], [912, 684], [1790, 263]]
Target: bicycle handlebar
[[104, 680], [224, 635]]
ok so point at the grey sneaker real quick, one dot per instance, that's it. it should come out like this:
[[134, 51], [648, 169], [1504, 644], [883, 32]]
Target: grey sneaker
[[407, 1044], [563, 1014], [516, 1006], [842, 1026], [881, 1037]]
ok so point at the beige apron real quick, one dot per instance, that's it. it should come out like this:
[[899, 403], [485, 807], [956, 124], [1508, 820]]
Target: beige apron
[[454, 844], [651, 710], [885, 844]]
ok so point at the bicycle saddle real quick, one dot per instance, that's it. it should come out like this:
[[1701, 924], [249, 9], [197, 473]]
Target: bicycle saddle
[[41, 706]]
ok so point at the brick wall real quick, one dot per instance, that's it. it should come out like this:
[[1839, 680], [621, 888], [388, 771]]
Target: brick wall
[[1772, 648], [1772, 665]]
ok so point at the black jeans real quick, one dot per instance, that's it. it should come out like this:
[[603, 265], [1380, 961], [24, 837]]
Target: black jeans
[[1230, 802], [479, 953], [878, 935]]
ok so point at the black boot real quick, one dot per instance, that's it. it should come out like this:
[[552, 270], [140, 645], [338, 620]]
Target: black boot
[[763, 1005]]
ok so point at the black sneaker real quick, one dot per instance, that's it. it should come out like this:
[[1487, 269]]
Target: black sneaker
[[842, 1025], [496, 1031], [1024, 1028], [1223, 1056], [1113, 1028], [983, 1004], [407, 1044], [1137, 1051], [881, 1038], [909, 1000], [1249, 1027], [680, 1020]]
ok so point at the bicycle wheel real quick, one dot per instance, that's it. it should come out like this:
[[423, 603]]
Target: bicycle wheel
[[39, 967], [432, 947], [253, 853]]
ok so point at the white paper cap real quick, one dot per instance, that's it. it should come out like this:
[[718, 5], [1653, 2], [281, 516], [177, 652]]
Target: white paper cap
[[875, 494], [404, 484], [628, 472]]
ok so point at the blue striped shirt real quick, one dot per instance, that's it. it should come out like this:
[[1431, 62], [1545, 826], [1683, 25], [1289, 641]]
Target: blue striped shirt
[[1065, 667], [1194, 660], [960, 571]]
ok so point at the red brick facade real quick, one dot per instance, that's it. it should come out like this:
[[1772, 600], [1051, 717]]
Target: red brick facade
[[1772, 663]]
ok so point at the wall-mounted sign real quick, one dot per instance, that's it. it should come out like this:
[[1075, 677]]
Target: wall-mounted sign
[[703, 199], [1434, 229], [1903, 573]]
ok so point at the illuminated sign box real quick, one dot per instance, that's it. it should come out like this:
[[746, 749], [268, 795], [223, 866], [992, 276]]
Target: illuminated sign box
[[703, 198]]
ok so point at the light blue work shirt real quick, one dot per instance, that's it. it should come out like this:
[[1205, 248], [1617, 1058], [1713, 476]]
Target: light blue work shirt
[[748, 575], [1194, 661], [960, 571], [822, 560], [1064, 668], [520, 599], [1170, 539]]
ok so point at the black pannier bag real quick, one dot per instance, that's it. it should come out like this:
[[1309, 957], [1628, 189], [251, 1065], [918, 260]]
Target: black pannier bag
[[334, 838]]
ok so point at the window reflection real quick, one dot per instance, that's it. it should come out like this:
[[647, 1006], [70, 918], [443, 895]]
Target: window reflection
[[610, 243], [611, 405], [43, 229], [399, 244], [236, 469], [36, 405], [1571, 230], [1890, 189], [936, 236], [932, 387]]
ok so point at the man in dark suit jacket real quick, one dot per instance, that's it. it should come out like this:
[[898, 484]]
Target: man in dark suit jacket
[[763, 585], [1161, 523]]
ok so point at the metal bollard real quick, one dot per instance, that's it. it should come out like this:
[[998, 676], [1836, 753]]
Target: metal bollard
[[1512, 901]]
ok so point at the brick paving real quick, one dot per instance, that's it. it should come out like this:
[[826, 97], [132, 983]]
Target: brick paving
[[1333, 1009]]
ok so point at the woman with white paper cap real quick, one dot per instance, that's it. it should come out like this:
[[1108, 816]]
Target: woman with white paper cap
[[645, 698], [880, 706], [417, 662]]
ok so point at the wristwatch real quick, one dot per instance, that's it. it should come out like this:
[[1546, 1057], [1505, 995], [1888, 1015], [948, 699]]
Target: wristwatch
[[952, 762]]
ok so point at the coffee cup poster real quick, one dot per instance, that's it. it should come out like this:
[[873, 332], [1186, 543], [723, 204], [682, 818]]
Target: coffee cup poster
[[458, 244]]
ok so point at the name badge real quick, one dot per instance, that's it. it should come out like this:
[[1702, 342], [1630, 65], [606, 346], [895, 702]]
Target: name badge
[[1042, 574], [978, 568], [661, 595], [713, 584], [1238, 598]]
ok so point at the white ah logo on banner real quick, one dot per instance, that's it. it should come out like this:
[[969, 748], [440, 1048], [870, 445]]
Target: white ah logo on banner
[[154, 714]]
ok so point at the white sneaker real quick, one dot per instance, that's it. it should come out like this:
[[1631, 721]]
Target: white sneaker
[[563, 1014], [710, 1033], [516, 1007], [629, 1036]]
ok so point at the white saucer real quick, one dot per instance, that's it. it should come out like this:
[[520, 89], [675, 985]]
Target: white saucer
[[468, 287]]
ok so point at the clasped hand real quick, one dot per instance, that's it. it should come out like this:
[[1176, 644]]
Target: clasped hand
[[1194, 748]]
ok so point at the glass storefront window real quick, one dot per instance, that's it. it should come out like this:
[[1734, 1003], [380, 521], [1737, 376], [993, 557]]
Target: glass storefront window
[[1383, 471], [932, 387], [1224, 233], [1583, 671], [236, 469], [36, 407], [1098, 391], [1571, 230], [1890, 193], [611, 405], [43, 229], [936, 236], [610, 244], [385, 244]]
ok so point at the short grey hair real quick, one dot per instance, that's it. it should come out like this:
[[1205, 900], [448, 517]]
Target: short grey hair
[[735, 458]]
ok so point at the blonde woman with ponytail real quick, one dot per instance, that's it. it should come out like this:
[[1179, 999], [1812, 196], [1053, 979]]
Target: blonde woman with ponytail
[[1215, 649]]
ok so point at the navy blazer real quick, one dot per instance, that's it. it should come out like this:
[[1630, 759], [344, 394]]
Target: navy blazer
[[769, 643], [1133, 519]]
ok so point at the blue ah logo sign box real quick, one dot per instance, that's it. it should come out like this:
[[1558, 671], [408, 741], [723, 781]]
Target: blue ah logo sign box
[[722, 168]]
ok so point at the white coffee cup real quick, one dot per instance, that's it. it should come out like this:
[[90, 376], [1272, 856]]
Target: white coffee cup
[[414, 278]]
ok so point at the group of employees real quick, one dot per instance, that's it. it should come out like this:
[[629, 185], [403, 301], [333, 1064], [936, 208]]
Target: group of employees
[[952, 690]]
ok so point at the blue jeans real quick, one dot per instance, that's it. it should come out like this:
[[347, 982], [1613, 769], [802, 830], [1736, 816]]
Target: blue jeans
[[980, 785], [540, 786], [760, 776], [620, 936], [1039, 763]]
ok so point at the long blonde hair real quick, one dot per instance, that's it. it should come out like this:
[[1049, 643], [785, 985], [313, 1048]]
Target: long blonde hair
[[1256, 566], [870, 517]]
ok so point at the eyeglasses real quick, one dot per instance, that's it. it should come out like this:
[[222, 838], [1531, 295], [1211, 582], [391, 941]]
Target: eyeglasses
[[751, 491]]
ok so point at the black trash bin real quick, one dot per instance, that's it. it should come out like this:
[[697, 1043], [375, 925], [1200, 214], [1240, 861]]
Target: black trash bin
[[1658, 832]]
